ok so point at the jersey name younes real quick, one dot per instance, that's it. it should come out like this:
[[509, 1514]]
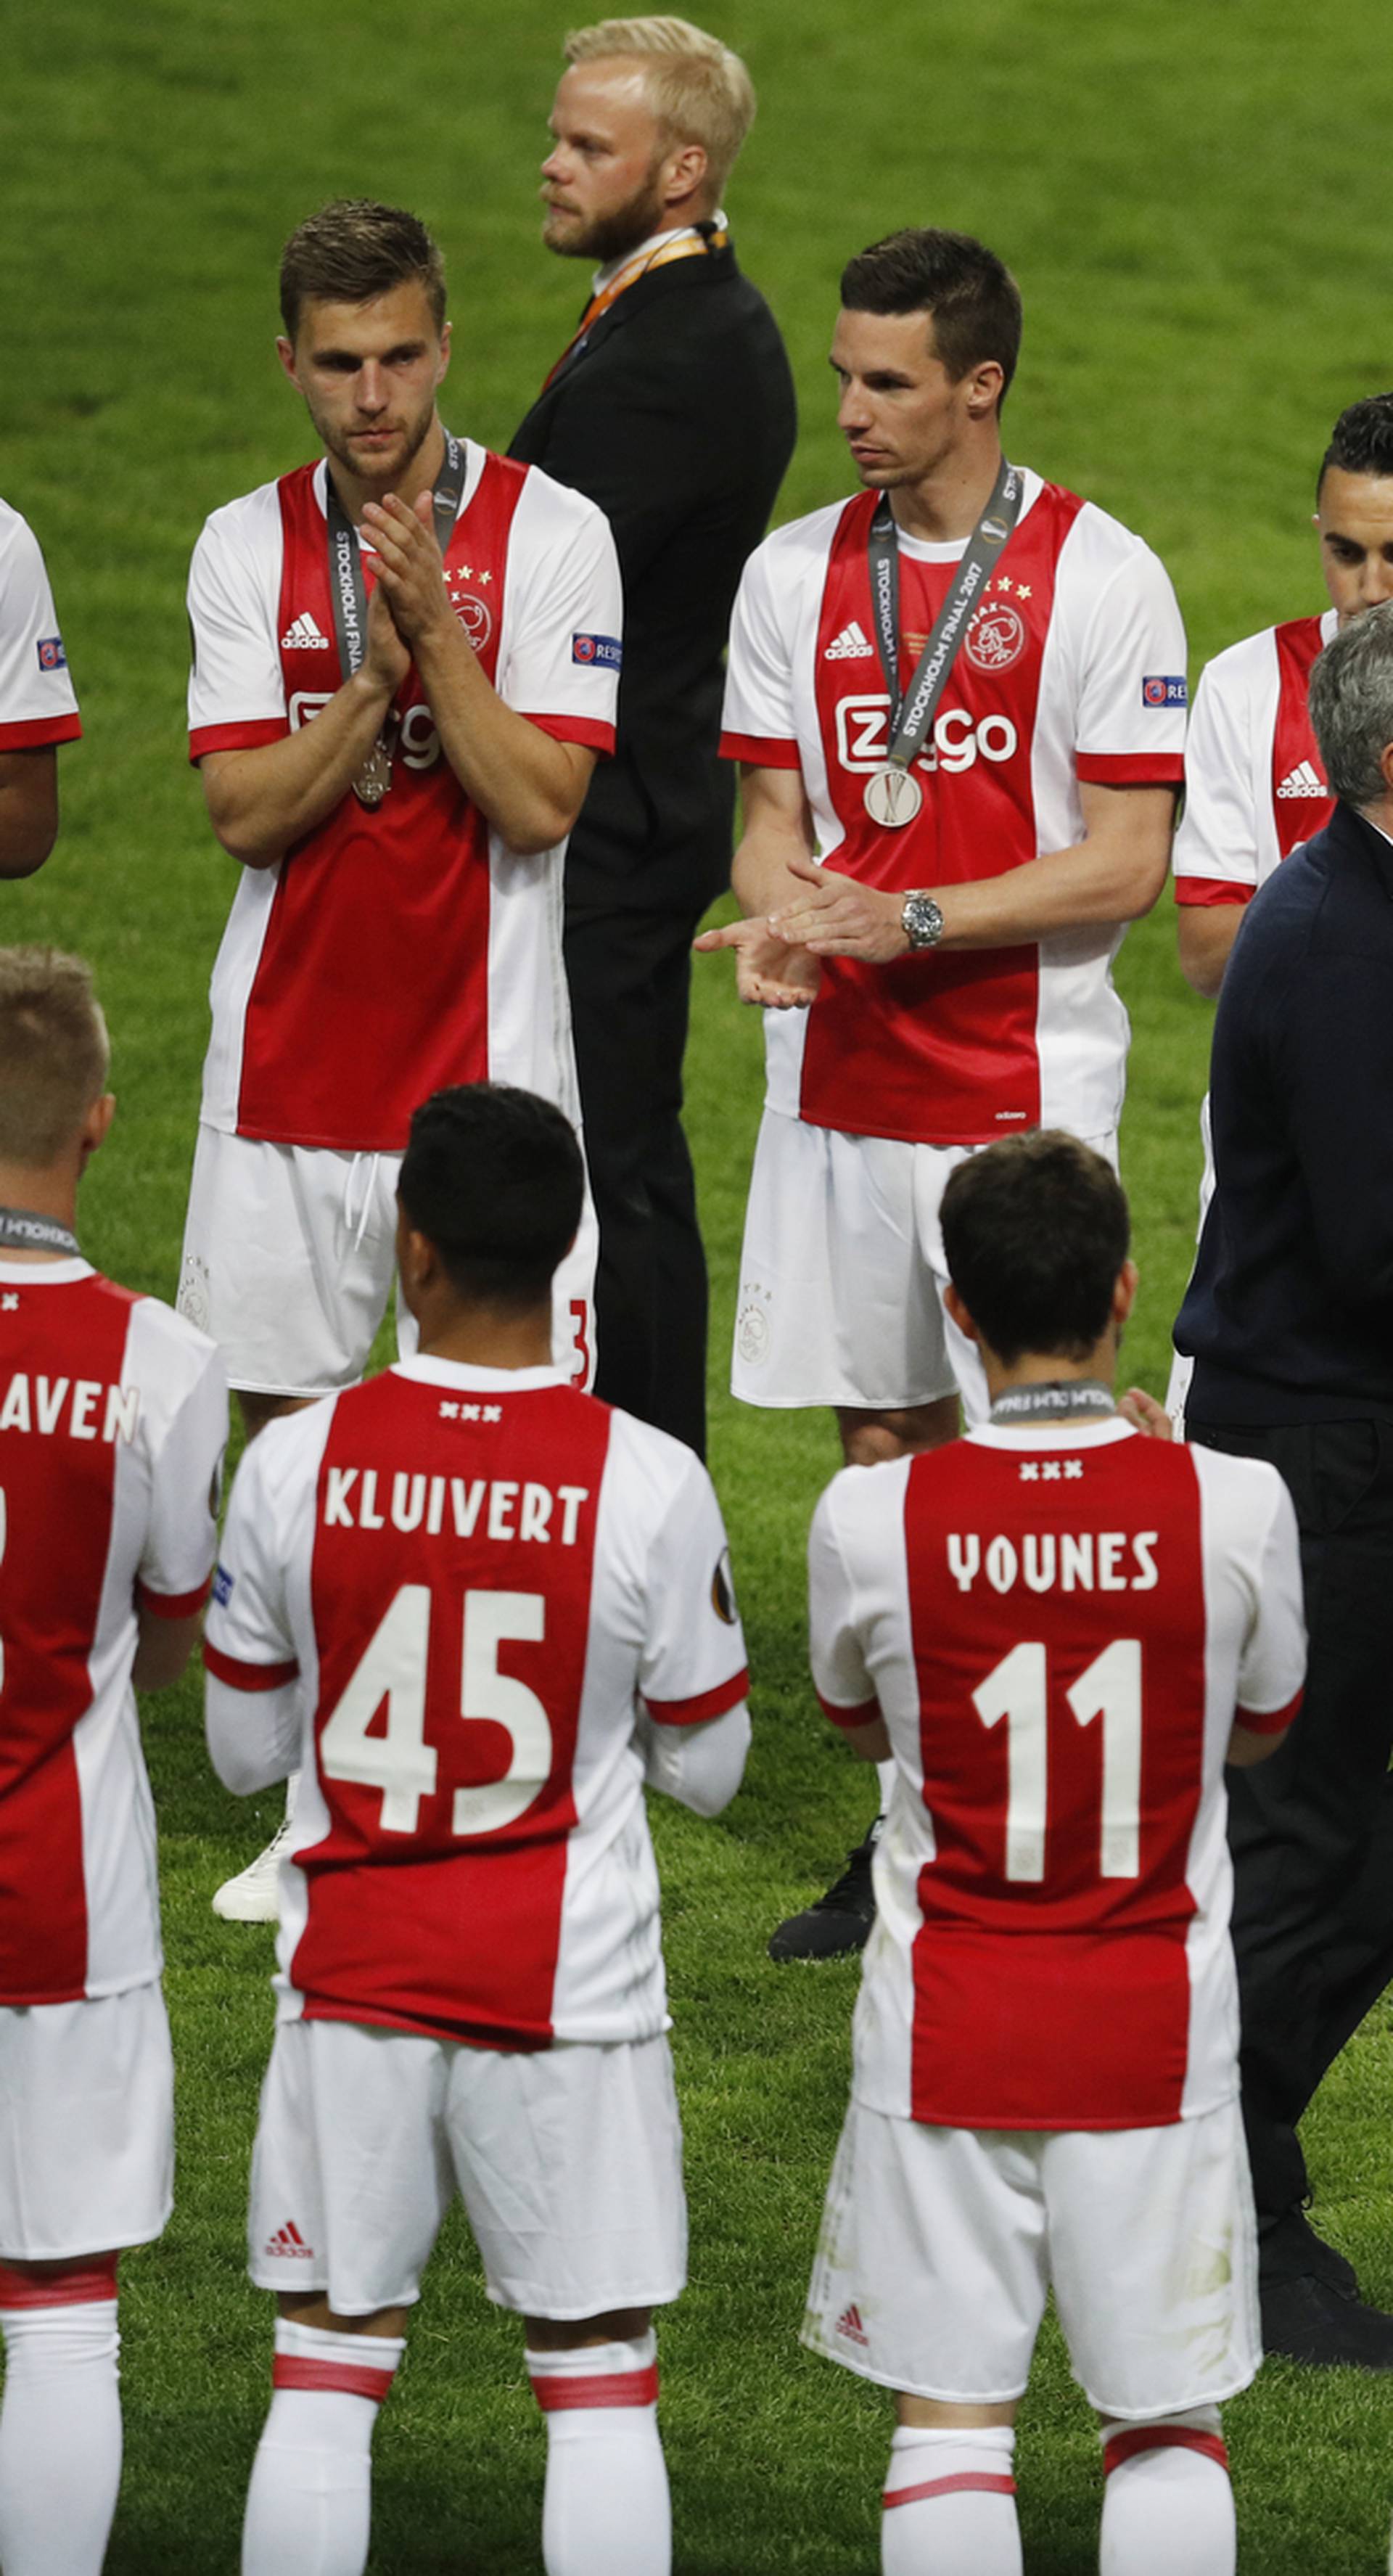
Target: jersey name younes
[[1059, 1627], [1071, 670], [113, 1417], [477, 1582], [1255, 784], [397, 950]]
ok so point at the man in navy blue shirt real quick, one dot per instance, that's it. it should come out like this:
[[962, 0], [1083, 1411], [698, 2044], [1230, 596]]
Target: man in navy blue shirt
[[1289, 1316]]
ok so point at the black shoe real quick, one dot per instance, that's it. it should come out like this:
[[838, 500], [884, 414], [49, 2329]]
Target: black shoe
[[1305, 2320], [1289, 2247], [838, 1922]]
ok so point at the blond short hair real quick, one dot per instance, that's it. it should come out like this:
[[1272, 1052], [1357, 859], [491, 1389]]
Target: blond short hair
[[700, 91], [54, 1053]]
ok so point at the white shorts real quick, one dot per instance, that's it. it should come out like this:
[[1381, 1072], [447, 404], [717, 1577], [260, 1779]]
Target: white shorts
[[568, 2160], [290, 1258], [842, 1274], [86, 2126], [938, 2247]]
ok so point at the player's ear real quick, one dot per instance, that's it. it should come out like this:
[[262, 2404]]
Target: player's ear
[[97, 1123], [285, 351], [959, 1313], [1125, 1291], [443, 368]]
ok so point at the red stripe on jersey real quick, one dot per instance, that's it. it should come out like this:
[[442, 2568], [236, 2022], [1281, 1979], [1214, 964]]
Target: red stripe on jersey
[[246, 1677], [1301, 803], [59, 1492], [34, 733], [344, 2378], [430, 1904], [337, 960], [1273, 1721], [1162, 2437], [236, 737], [1212, 890], [1131, 768], [586, 730], [603, 2388], [707, 1704], [762, 753], [1051, 1982], [73, 2285], [864, 1713], [172, 1605], [937, 1049], [967, 2482]]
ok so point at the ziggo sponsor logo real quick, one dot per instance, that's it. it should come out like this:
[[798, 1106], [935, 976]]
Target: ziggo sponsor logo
[[863, 730], [417, 745]]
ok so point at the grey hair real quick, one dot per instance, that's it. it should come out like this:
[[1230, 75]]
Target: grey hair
[[1352, 705]]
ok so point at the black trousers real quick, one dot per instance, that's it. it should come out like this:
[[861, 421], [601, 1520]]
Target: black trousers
[[1311, 1829], [630, 980]]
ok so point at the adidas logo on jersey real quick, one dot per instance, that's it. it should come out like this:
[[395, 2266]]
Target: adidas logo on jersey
[[304, 636], [288, 2243], [1304, 780], [849, 2326], [852, 645]]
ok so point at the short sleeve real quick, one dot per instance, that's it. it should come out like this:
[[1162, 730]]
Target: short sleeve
[[1217, 858], [248, 1642], [562, 645], [37, 705], [840, 1678], [757, 722], [692, 1665], [185, 1469], [1272, 1671], [236, 685], [1130, 706]]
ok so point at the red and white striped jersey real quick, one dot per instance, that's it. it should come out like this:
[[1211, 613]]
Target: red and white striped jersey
[[1058, 1626], [393, 952], [37, 705], [113, 1421], [489, 1585], [1072, 670], [1255, 782]]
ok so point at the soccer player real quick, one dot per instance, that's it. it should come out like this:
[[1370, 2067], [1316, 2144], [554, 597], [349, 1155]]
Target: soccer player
[[1059, 1631], [405, 664], [37, 706], [1255, 785], [471, 1983], [943, 976], [113, 1419]]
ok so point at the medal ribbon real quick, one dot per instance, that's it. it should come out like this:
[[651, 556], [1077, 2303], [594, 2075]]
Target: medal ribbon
[[912, 713], [347, 588], [22, 1231], [1053, 1398]]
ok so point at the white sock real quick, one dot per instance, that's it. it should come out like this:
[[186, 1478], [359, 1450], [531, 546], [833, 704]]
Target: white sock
[[1167, 2502], [950, 2503], [309, 2505], [60, 2438], [606, 2510]]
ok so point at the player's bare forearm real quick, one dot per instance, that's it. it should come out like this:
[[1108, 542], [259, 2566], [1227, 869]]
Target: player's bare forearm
[[530, 787], [28, 809], [870, 1743], [163, 1648], [1205, 933], [770, 972], [260, 802]]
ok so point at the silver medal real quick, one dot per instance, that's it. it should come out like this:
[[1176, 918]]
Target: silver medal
[[375, 777], [892, 797]]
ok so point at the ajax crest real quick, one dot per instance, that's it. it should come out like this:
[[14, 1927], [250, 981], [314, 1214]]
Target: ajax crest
[[996, 637]]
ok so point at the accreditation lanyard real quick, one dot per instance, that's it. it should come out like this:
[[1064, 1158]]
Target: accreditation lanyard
[[892, 797], [22, 1231], [348, 592]]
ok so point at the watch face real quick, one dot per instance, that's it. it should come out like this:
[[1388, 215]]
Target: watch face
[[922, 920]]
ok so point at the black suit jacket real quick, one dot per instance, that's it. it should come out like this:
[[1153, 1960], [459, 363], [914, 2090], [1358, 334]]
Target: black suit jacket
[[677, 416]]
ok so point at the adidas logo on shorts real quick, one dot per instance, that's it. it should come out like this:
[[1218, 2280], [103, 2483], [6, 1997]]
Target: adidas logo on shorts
[[287, 2243], [849, 2326], [852, 645], [1304, 780], [304, 636]]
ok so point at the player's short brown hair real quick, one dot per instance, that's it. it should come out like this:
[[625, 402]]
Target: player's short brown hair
[[353, 250], [54, 1053], [969, 294], [699, 90], [1035, 1231]]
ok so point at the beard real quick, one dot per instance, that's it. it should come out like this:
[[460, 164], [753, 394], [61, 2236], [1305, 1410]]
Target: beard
[[367, 469], [608, 236]]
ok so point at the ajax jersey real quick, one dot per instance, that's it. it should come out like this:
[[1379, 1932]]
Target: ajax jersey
[[1255, 783], [1071, 670], [1059, 1627], [113, 1420], [487, 1584], [393, 952], [37, 705]]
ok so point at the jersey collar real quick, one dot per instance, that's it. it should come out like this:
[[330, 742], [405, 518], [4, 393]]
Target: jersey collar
[[44, 1274], [1086, 1434], [438, 1372]]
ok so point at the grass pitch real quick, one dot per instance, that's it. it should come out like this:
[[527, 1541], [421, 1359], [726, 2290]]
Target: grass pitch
[[1193, 200]]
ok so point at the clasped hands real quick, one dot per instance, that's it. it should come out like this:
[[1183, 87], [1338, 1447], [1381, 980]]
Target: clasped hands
[[777, 953], [410, 606]]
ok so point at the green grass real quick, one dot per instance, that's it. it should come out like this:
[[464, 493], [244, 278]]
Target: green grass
[[1194, 201]]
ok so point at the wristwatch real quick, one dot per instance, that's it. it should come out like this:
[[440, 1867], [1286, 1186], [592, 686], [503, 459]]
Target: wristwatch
[[921, 921]]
